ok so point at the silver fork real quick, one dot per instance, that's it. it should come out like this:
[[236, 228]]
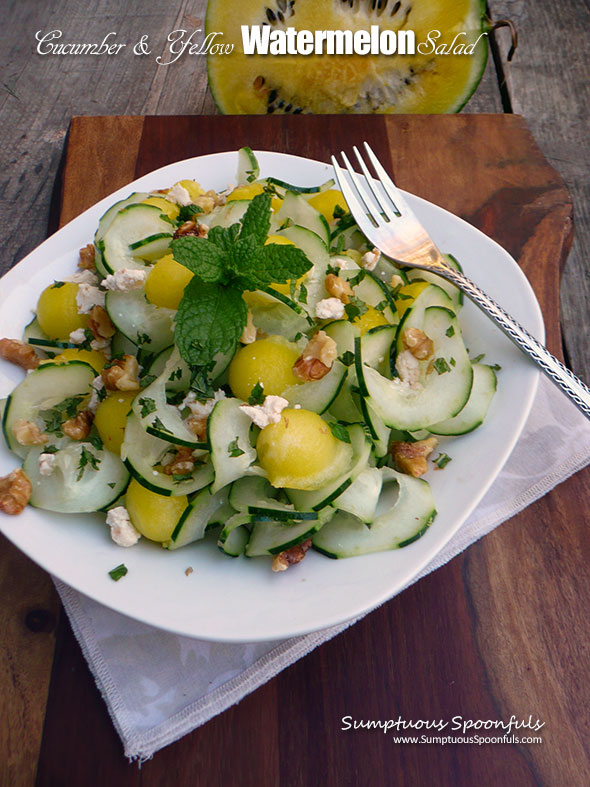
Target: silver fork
[[384, 216]]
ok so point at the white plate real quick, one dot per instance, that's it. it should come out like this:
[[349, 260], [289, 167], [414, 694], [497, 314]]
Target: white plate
[[241, 600]]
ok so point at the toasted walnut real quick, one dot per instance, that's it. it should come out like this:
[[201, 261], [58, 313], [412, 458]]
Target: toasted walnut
[[338, 288], [19, 353], [183, 463], [418, 343], [410, 458], [15, 492], [249, 334], [290, 557], [396, 281], [122, 374], [87, 257], [100, 323], [78, 428], [192, 228], [317, 358], [198, 426], [28, 433], [209, 200]]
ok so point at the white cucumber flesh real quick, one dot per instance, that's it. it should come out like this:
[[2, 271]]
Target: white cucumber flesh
[[474, 412]]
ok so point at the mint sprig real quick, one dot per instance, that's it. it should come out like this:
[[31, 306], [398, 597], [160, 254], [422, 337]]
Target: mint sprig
[[212, 314]]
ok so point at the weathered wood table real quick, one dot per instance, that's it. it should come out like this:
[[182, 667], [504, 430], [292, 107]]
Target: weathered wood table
[[501, 630]]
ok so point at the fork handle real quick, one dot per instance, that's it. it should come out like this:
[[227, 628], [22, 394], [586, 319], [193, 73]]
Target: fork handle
[[572, 386]]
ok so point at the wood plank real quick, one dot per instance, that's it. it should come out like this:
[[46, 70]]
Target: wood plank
[[549, 86], [483, 636]]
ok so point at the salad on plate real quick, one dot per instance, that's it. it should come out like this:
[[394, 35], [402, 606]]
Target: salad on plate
[[241, 364]]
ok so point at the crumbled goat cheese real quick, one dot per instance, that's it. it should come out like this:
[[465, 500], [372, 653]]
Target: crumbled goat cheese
[[125, 279], [268, 413], [201, 409], [122, 531], [370, 259], [84, 277], [408, 368], [101, 346], [179, 195], [344, 263], [329, 309], [46, 463], [88, 296], [78, 336], [97, 386]]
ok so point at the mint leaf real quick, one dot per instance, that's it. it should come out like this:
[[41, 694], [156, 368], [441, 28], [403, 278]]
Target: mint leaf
[[210, 319], [257, 396], [201, 256], [256, 220], [340, 432], [234, 449], [118, 572], [224, 237]]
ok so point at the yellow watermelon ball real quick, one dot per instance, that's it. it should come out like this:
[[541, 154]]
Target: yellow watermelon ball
[[57, 311], [166, 281], [168, 208], [268, 361], [369, 319], [299, 452], [155, 516], [327, 201], [111, 418]]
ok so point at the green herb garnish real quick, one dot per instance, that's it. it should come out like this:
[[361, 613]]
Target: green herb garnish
[[478, 358], [450, 331], [347, 358], [118, 572], [442, 461], [212, 313], [234, 449], [148, 406], [441, 366], [187, 213], [87, 459], [355, 308], [257, 395], [340, 432]]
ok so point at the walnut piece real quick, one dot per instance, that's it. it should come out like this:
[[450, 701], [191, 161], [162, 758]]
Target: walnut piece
[[78, 428], [15, 492], [86, 261], [208, 201], [28, 433], [410, 458], [100, 323], [317, 358], [418, 343], [192, 228], [183, 462], [19, 353], [338, 288], [122, 374], [290, 557], [198, 426]]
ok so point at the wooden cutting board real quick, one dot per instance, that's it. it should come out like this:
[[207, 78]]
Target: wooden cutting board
[[503, 629]]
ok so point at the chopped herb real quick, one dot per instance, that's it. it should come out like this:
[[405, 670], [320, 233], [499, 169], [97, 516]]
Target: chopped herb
[[338, 212], [357, 279], [395, 290], [347, 358], [147, 379], [185, 412], [297, 336], [257, 395], [441, 366], [450, 331], [57, 284], [95, 441], [175, 397], [495, 367], [340, 432], [332, 269], [178, 478], [118, 572], [113, 361], [200, 382], [157, 424], [478, 358], [302, 294], [87, 459], [452, 361], [111, 484], [50, 449], [143, 338], [338, 247], [234, 449], [148, 406], [292, 287], [101, 393], [442, 461], [250, 175], [381, 306], [402, 295], [187, 213], [287, 223], [164, 217], [176, 375], [355, 308], [54, 418]]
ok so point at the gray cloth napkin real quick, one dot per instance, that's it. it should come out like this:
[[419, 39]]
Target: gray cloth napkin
[[158, 686]]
